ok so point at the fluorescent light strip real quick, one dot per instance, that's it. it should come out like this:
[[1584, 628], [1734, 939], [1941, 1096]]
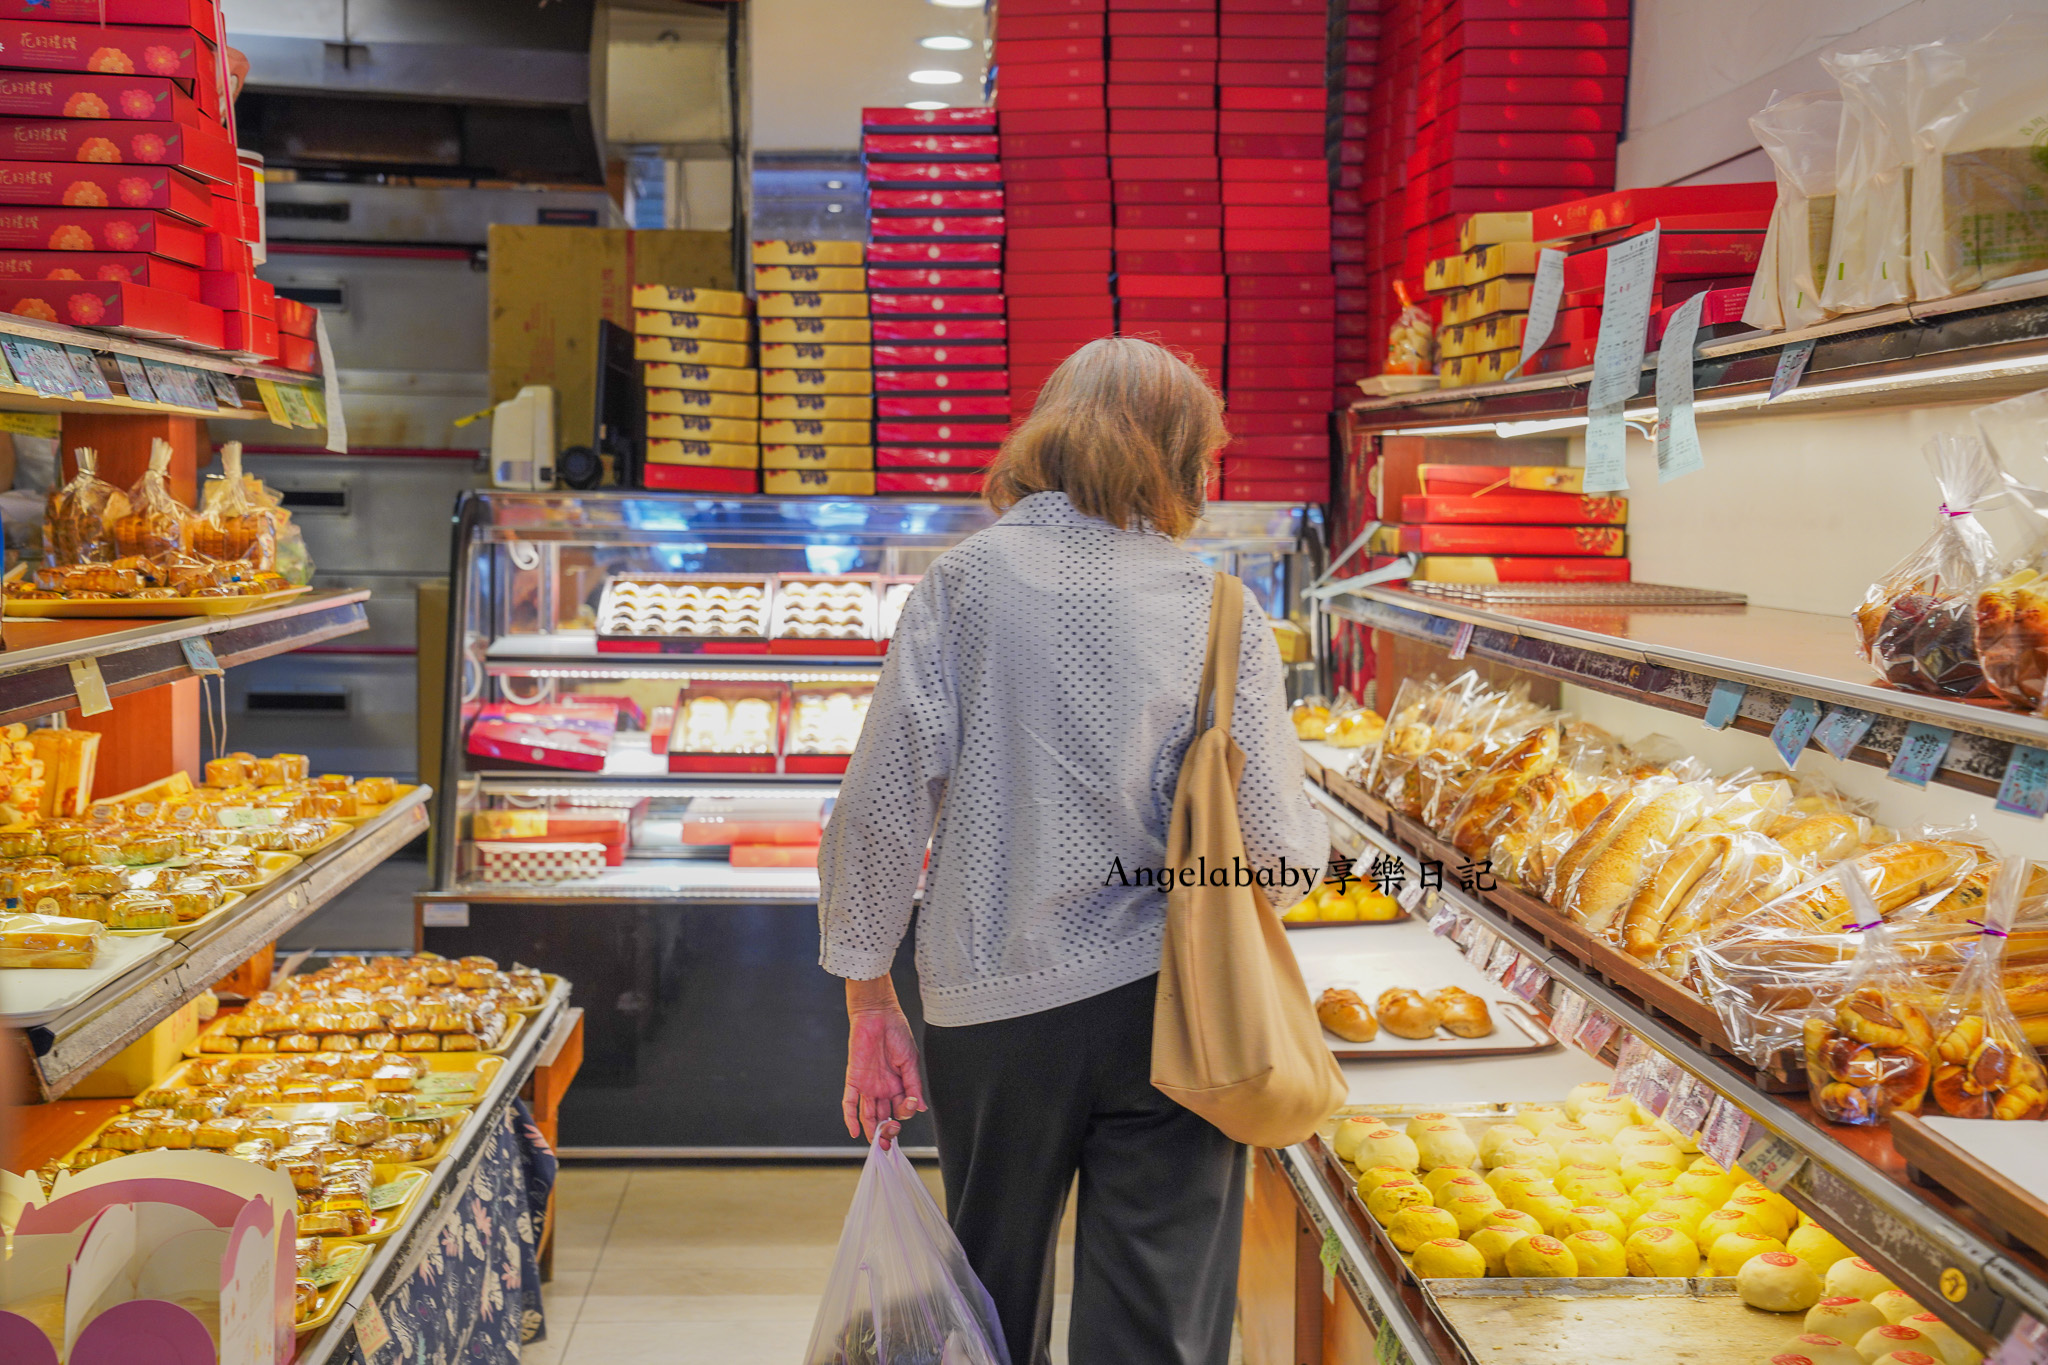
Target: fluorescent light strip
[[676, 674]]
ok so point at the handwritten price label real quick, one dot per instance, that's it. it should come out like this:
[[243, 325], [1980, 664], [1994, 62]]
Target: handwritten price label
[[1773, 1161], [1791, 369], [1570, 1016], [1598, 1028], [2025, 788], [1794, 727], [1842, 729], [1723, 1131], [1920, 753], [1529, 980]]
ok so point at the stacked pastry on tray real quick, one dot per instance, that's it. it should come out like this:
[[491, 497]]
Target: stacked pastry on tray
[[382, 1005], [1718, 882]]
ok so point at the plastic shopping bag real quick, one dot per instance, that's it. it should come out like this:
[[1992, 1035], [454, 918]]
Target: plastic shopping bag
[[901, 1291]]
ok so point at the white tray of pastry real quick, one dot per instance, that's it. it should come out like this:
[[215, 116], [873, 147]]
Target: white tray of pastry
[[36, 995], [1447, 1009]]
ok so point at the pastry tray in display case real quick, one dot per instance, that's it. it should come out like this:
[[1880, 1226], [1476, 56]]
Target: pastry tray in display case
[[126, 608], [1378, 962], [616, 633], [798, 612]]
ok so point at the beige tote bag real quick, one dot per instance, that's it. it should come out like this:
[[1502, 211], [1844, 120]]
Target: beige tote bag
[[1234, 1037]]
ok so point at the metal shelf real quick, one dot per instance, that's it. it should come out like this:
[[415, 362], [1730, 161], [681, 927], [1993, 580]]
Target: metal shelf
[[438, 1208], [1851, 1179], [72, 1046], [1671, 658], [1973, 347], [631, 762], [667, 881], [136, 655], [25, 399]]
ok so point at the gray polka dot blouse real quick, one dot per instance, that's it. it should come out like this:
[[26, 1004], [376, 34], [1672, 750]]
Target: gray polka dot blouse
[[1030, 721]]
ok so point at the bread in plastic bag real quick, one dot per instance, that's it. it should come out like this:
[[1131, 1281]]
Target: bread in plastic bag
[[901, 1291], [1869, 266], [2012, 613], [1692, 858], [1872, 1053], [1918, 622], [156, 524], [78, 530], [1984, 1068], [1799, 132], [1607, 880], [49, 941], [1979, 178], [1411, 341], [230, 527]]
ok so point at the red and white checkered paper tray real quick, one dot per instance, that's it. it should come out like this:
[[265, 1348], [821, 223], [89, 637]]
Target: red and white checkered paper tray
[[522, 862]]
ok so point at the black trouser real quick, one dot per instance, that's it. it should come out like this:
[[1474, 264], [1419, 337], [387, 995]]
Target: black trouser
[[1020, 1106]]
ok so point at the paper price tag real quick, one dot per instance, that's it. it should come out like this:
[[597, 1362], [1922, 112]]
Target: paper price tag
[[1479, 945], [1386, 1347], [1689, 1100], [1842, 729], [444, 915], [163, 379], [1568, 1016], [1528, 981], [1794, 727], [1791, 369], [1624, 321], [294, 399], [1773, 1161], [91, 382], [1462, 641], [1722, 706], [1678, 435], [1410, 897], [1544, 295], [90, 687], [1723, 1130], [224, 390], [1606, 450], [135, 379], [273, 403], [1598, 1028], [1628, 1064], [1920, 753], [199, 656], [372, 1334], [2025, 788], [1444, 922], [2026, 1344], [1502, 959]]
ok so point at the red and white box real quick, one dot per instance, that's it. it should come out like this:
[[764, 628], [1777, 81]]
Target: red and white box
[[951, 483], [118, 267], [1516, 508], [514, 860], [1513, 540], [131, 308], [894, 120], [68, 229], [55, 94], [935, 457], [1603, 212], [1520, 569], [710, 748], [700, 478], [560, 735]]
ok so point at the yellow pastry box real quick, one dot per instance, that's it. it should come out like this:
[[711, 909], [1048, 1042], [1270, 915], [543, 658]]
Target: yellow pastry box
[[831, 331], [829, 279], [693, 426], [812, 431], [712, 454], [816, 356], [818, 483], [813, 381], [731, 354], [657, 322], [688, 298], [813, 305], [716, 378], [793, 252], [825, 407], [703, 402], [817, 457]]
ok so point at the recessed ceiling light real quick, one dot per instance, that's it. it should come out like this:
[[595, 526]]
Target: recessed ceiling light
[[958, 4], [927, 104], [936, 77], [945, 42]]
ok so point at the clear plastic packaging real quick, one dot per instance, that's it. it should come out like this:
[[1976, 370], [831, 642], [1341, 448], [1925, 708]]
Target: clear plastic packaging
[[1869, 268], [79, 526], [1984, 1067], [157, 524], [1411, 341], [1918, 622], [1978, 174], [1606, 881], [901, 1291], [1871, 1054], [230, 527], [1798, 133], [2012, 613]]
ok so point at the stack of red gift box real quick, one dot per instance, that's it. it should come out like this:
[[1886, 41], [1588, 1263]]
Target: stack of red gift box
[[1500, 524], [128, 207], [1281, 359], [1051, 75], [935, 280], [1355, 37]]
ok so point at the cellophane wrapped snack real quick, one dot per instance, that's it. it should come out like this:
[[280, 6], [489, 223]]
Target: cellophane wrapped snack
[[1872, 1053], [1984, 1067], [1799, 132], [1979, 178], [230, 526], [79, 530], [1411, 342], [1918, 622], [1872, 172], [157, 524]]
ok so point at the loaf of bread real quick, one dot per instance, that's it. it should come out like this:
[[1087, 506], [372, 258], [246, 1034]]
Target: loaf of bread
[[1343, 1013], [1534, 755], [1592, 842], [1897, 875], [1463, 1013], [1660, 895], [1406, 1014], [1604, 887], [1823, 840]]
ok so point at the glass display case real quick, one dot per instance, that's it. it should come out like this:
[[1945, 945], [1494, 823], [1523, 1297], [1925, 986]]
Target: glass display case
[[649, 700]]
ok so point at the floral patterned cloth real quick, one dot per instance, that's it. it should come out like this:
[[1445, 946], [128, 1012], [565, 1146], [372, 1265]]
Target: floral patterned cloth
[[474, 1297]]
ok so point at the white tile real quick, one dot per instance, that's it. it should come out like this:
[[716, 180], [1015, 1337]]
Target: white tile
[[547, 1352], [562, 1300], [764, 1342], [740, 1307]]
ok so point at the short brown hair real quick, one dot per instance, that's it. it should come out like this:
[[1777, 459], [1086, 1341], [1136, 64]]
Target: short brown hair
[[1126, 429]]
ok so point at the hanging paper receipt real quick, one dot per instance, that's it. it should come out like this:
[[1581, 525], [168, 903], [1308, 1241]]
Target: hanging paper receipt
[[1678, 436], [1618, 358], [1544, 296]]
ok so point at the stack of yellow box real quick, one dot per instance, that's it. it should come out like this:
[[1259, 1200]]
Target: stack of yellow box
[[1487, 306], [817, 369], [703, 392]]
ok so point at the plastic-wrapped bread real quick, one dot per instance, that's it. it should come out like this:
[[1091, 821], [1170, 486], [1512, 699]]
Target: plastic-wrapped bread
[[1534, 755], [78, 530], [157, 524], [47, 941], [1607, 883], [1660, 895]]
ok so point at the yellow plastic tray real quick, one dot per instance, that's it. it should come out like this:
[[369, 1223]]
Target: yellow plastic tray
[[403, 789], [117, 608], [384, 1222], [233, 898], [485, 1066], [357, 1255], [515, 1023]]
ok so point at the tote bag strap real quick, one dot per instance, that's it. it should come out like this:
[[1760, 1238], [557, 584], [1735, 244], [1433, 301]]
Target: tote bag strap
[[1219, 664]]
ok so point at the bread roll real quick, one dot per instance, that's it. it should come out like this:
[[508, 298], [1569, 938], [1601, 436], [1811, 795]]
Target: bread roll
[[1603, 889], [1661, 895], [1406, 1014], [1343, 1013], [1462, 1012], [1592, 843], [1823, 839]]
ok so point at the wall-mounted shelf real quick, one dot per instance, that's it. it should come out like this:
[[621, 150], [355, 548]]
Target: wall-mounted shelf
[[1672, 658], [136, 655], [71, 1046], [241, 374]]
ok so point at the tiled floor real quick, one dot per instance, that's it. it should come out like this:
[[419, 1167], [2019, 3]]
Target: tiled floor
[[703, 1265]]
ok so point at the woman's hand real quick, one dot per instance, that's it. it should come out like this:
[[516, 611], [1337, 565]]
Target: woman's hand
[[882, 1085]]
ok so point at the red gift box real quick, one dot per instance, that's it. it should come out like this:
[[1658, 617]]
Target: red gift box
[[1305, 471], [1267, 216], [1547, 118], [1170, 48], [197, 14], [198, 147], [957, 407], [1539, 61], [1724, 307], [1523, 90], [558, 735], [1069, 260], [1679, 255], [1281, 309], [1010, 52], [120, 267], [1128, 73], [1307, 24], [954, 305], [953, 280], [986, 226], [1539, 146], [953, 483], [1316, 400], [1290, 447], [1024, 194], [1014, 97], [959, 119], [1175, 310], [96, 186], [133, 308], [1010, 25], [1062, 319], [1168, 168], [151, 99], [1168, 239], [1034, 121], [1063, 74], [1280, 333], [1020, 170], [1271, 7], [957, 379], [1018, 146], [1271, 48], [700, 478], [1170, 286], [1270, 73], [1274, 262], [69, 229], [939, 329], [1166, 192], [1169, 217], [1163, 121], [1581, 217], [1069, 285], [1461, 10], [940, 433], [912, 175], [1169, 262], [1173, 332], [251, 337], [1523, 569], [1054, 243], [1013, 8], [934, 457], [1515, 508], [299, 353], [935, 201], [1513, 540], [1163, 23], [1272, 97], [1161, 96], [108, 50], [1060, 215], [1248, 490], [1275, 168], [1527, 33], [1277, 423], [1125, 146], [891, 147], [1283, 287]]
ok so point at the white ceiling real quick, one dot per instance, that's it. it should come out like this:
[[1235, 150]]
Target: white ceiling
[[817, 63]]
